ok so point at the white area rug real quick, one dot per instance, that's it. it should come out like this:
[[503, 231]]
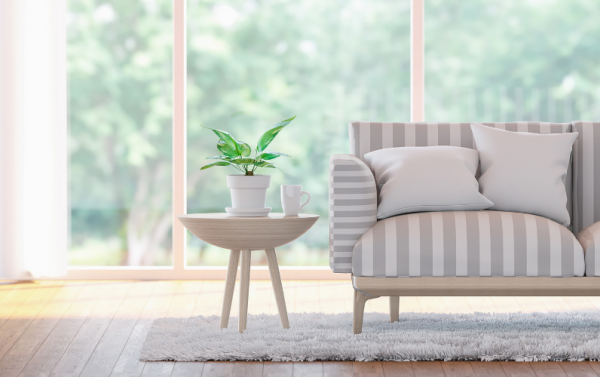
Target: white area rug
[[313, 336]]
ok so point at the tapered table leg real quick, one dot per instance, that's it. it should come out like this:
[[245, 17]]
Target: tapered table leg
[[277, 287], [234, 258], [244, 289], [394, 308]]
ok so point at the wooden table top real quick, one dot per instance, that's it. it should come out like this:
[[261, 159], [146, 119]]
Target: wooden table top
[[225, 216], [247, 233]]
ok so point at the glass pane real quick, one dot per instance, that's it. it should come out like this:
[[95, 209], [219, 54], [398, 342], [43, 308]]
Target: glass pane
[[253, 63], [119, 67], [511, 60]]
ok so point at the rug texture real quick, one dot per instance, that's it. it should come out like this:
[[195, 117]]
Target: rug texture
[[572, 336]]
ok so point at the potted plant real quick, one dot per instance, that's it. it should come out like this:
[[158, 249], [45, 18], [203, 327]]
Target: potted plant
[[248, 190]]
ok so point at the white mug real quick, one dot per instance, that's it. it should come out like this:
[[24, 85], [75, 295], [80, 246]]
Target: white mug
[[291, 196]]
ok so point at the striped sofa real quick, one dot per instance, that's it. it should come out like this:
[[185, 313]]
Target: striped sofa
[[466, 252]]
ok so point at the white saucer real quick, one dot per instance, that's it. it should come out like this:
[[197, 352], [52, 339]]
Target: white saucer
[[248, 212]]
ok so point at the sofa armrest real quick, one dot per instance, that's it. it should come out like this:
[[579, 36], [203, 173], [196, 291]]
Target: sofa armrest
[[352, 207], [589, 238]]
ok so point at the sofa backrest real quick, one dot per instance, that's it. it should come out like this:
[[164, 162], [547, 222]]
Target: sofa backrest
[[586, 175], [366, 137]]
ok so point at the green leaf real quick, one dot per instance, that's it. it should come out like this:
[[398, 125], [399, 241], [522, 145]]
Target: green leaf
[[264, 164], [218, 158], [243, 161], [218, 163], [268, 136], [228, 139], [245, 147], [270, 155], [226, 149]]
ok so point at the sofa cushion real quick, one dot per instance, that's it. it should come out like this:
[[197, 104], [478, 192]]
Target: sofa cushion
[[473, 243], [437, 178], [366, 137], [525, 172]]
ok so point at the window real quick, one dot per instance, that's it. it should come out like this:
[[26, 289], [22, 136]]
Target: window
[[251, 64], [133, 86], [119, 70], [511, 60]]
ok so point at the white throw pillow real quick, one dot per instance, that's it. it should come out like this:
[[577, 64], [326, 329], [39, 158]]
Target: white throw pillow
[[422, 179], [525, 172]]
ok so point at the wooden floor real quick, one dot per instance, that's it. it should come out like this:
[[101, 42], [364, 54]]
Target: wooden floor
[[96, 328]]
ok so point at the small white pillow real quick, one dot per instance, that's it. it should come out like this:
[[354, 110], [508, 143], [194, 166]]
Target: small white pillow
[[422, 179], [525, 172]]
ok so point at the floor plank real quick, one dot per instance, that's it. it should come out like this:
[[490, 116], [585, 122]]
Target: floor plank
[[431, 305], [457, 305], [428, 369], [11, 302], [82, 346], [578, 369], [314, 369], [581, 304], [307, 297], [506, 304], [487, 369], [338, 369], [333, 297], [548, 369], [18, 322], [397, 369], [367, 369], [458, 369], [531, 304], [107, 352], [182, 305], [24, 348], [595, 365], [513, 369], [275, 369], [482, 304], [157, 369], [247, 369], [49, 353], [217, 369], [157, 306], [185, 369]]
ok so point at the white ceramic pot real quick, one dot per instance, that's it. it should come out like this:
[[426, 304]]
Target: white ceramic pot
[[248, 191]]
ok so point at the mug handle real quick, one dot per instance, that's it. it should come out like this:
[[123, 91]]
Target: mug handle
[[307, 200]]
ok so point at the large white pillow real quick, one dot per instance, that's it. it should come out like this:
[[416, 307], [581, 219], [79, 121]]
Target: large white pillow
[[420, 179], [525, 172]]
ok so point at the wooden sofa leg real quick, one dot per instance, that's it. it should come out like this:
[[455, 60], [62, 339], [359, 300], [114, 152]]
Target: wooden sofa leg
[[394, 308], [359, 310]]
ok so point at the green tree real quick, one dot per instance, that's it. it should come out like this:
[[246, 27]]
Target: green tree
[[119, 67], [512, 60], [252, 63]]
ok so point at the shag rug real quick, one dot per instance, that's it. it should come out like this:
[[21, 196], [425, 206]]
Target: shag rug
[[572, 336]]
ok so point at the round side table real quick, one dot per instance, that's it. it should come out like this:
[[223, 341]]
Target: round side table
[[242, 235]]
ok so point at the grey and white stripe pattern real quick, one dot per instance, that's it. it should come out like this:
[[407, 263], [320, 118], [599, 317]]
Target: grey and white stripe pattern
[[586, 175], [589, 238], [366, 137], [352, 208], [470, 243]]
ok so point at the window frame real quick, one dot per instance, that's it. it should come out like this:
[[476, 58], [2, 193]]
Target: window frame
[[179, 270]]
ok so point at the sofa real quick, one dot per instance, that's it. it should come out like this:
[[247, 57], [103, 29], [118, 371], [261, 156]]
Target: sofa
[[463, 253]]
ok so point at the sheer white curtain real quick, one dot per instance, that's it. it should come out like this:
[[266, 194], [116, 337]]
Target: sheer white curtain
[[33, 139]]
